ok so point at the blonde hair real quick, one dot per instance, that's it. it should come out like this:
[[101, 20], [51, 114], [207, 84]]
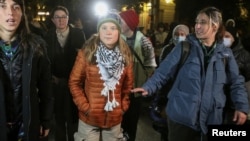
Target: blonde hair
[[92, 43]]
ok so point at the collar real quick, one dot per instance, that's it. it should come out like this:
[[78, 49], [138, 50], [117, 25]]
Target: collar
[[63, 34], [9, 48]]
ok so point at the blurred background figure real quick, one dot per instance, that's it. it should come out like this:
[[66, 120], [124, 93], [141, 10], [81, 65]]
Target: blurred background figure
[[158, 39], [179, 34], [79, 24], [230, 23], [169, 36], [37, 27]]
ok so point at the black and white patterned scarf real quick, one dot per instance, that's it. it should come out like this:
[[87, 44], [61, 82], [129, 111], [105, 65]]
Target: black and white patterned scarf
[[111, 65]]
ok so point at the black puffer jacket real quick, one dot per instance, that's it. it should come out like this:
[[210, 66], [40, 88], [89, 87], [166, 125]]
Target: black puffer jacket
[[37, 105]]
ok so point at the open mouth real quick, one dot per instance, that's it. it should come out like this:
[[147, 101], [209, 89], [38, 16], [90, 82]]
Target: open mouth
[[11, 21]]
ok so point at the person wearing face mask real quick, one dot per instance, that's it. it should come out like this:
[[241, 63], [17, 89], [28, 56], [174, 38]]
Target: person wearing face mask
[[179, 34], [178, 39], [242, 58], [231, 37], [227, 41]]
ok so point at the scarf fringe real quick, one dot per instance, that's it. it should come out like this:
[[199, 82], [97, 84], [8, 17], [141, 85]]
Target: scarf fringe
[[110, 105]]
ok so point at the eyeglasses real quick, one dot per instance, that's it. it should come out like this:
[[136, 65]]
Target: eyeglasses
[[62, 17]]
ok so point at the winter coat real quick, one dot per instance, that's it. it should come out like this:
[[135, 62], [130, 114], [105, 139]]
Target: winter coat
[[37, 105], [86, 85], [74, 41], [197, 97], [62, 61]]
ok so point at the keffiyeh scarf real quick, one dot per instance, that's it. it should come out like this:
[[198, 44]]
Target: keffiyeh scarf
[[111, 65]]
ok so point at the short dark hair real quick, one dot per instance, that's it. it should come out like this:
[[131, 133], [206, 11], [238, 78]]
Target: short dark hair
[[17, 1], [59, 7]]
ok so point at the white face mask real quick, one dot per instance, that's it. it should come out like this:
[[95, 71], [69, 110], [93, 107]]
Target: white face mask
[[227, 42], [178, 39]]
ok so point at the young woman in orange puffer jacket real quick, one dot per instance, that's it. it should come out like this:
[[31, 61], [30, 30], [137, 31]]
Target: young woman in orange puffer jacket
[[100, 83]]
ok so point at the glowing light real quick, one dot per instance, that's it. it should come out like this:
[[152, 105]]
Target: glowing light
[[169, 1], [101, 8], [42, 13], [149, 4]]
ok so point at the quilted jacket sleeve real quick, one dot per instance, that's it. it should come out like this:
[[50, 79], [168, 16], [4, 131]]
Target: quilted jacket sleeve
[[76, 83]]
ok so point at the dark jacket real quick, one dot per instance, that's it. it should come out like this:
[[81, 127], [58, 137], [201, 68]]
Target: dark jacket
[[242, 57], [74, 41], [36, 92], [165, 51], [62, 61], [197, 97]]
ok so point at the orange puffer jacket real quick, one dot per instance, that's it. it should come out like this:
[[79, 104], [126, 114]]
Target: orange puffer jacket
[[86, 86]]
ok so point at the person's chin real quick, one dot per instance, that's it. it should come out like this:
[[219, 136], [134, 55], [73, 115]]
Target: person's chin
[[110, 46]]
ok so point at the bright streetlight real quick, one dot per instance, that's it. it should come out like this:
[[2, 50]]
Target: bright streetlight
[[101, 8]]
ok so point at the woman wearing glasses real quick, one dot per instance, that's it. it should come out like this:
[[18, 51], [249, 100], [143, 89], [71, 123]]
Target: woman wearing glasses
[[63, 42]]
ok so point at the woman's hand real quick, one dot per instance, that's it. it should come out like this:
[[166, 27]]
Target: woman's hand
[[139, 90]]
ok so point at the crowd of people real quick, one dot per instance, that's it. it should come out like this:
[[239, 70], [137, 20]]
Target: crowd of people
[[90, 86]]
